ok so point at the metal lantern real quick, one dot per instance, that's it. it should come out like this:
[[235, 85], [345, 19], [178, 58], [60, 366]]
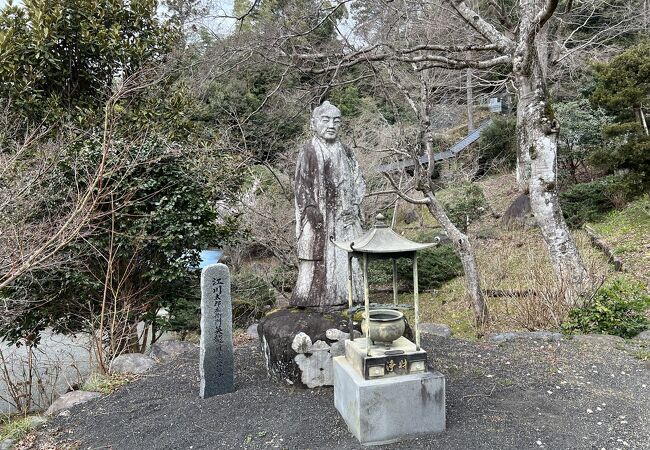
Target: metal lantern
[[381, 242], [386, 393]]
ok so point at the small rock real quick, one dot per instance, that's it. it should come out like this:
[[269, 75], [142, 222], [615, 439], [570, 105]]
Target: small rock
[[546, 336], [316, 370], [166, 350], [301, 343], [7, 444], [501, 337], [410, 216], [437, 329], [36, 421], [644, 335], [319, 346], [132, 363], [252, 331], [334, 334], [69, 400], [337, 349]]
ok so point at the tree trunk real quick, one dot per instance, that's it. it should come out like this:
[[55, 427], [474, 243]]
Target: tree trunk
[[424, 183], [470, 102], [466, 253], [537, 134], [643, 121]]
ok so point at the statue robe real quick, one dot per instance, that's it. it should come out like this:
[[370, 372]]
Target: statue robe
[[329, 189]]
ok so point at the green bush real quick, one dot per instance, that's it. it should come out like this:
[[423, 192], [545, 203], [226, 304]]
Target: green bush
[[380, 272], [618, 308], [251, 298], [185, 312], [498, 145], [587, 202], [436, 265], [464, 203]]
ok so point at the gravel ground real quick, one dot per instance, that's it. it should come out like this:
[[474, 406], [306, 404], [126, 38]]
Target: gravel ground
[[522, 394]]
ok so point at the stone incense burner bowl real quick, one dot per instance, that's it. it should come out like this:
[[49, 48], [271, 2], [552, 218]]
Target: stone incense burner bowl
[[386, 325]]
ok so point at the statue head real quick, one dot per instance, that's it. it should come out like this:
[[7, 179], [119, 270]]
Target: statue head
[[325, 122]]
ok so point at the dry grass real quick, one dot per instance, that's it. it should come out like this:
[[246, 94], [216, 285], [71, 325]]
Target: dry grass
[[531, 298], [515, 264], [107, 384], [628, 233]]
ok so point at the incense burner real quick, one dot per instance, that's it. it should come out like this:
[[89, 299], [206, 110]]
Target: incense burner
[[386, 325]]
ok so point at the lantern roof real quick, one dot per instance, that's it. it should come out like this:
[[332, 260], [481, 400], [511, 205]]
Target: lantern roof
[[381, 239]]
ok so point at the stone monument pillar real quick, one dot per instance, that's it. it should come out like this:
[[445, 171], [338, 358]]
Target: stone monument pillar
[[329, 189], [216, 361]]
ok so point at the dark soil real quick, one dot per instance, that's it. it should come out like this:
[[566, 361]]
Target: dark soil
[[523, 394]]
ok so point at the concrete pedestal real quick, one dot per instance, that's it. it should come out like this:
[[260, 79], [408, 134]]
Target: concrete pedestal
[[387, 410]]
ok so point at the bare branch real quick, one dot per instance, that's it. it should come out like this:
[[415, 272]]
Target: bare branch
[[485, 29], [415, 201]]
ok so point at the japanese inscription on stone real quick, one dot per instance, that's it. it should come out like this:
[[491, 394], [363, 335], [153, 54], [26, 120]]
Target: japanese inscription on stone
[[400, 367], [216, 359]]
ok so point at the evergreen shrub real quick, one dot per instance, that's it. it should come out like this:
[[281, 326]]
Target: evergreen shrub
[[619, 308], [436, 265], [464, 203], [587, 202], [498, 145]]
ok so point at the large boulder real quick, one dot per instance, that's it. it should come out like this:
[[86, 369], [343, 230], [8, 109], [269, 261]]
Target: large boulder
[[519, 214], [166, 350], [298, 345], [69, 400], [436, 329], [132, 363]]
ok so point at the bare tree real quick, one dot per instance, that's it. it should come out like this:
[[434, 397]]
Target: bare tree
[[423, 179]]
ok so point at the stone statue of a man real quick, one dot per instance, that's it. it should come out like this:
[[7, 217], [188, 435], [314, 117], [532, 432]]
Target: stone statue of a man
[[329, 188]]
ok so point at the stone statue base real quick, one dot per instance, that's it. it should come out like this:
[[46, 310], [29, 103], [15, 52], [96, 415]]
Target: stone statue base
[[299, 344], [388, 410]]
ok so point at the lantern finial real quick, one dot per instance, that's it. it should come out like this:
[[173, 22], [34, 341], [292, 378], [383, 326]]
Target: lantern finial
[[380, 221]]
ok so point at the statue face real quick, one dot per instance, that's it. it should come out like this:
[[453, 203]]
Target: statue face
[[326, 124]]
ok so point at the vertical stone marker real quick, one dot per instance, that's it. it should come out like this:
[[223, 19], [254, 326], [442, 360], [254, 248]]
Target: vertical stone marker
[[216, 360]]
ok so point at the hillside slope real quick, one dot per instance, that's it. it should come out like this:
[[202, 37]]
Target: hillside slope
[[515, 269]]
